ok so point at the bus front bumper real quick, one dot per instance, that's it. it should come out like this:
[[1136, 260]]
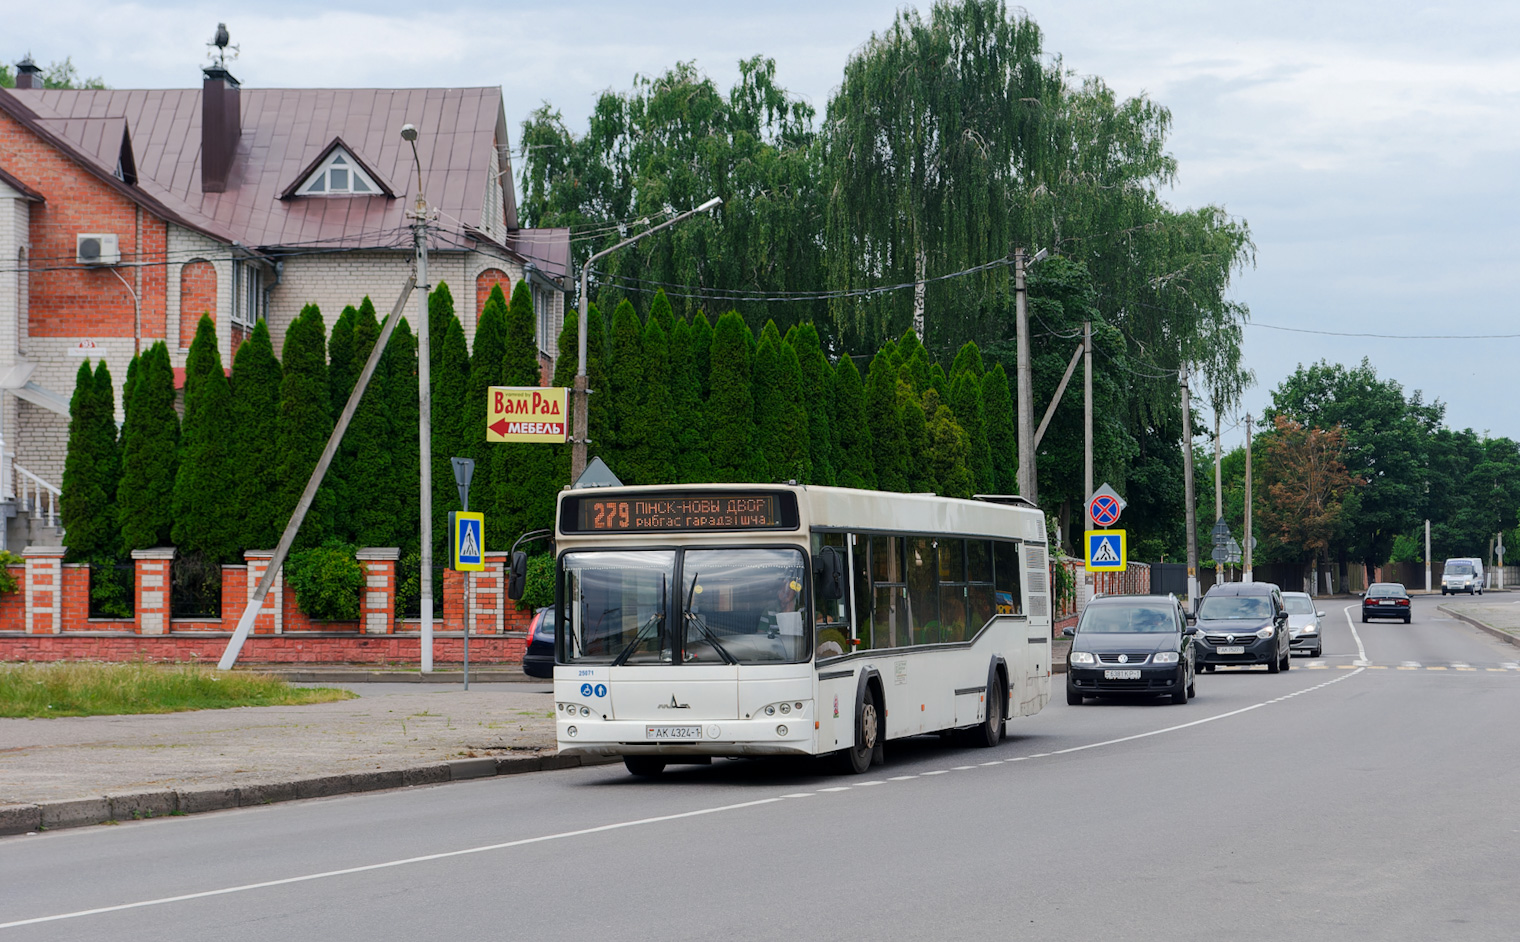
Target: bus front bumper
[[773, 736]]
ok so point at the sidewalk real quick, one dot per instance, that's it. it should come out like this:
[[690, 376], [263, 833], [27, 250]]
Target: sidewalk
[[74, 771], [1498, 618]]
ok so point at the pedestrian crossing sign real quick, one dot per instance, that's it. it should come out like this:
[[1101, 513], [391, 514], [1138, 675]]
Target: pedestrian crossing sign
[[469, 540], [1106, 551]]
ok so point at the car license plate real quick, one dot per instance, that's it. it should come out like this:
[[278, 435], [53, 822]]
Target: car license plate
[[1121, 675], [1387, 602], [1231, 649], [672, 732]]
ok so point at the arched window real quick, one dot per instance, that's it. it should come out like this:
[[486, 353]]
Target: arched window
[[197, 296], [484, 282]]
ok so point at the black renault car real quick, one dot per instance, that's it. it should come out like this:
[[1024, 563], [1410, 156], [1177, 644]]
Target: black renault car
[[1130, 644], [1243, 623], [538, 660]]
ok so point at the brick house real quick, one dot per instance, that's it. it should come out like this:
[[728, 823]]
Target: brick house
[[125, 214]]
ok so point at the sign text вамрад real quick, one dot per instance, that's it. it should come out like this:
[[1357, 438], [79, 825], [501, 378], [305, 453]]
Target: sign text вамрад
[[527, 414]]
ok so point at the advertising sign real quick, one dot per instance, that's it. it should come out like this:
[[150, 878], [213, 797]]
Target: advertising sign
[[527, 414]]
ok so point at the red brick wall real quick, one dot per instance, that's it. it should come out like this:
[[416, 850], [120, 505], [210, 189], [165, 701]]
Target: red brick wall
[[76, 598], [484, 282], [68, 301], [260, 649], [197, 296], [297, 620], [13, 604], [155, 280]]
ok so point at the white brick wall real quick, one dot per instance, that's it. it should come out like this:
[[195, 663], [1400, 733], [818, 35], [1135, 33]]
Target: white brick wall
[[185, 247]]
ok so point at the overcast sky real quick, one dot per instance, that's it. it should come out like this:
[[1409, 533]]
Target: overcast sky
[[1371, 146]]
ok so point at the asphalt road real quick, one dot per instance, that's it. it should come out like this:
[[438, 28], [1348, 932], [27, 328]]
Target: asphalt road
[[1341, 800]]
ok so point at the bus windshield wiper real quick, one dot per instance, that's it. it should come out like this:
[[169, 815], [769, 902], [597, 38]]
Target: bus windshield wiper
[[692, 618], [639, 636]]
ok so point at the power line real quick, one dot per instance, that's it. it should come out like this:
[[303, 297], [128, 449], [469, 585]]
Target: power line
[[1341, 333]]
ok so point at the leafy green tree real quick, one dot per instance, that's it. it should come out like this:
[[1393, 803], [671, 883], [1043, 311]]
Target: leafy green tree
[[255, 433], [731, 406], [150, 454], [854, 452], [305, 425], [818, 395], [1002, 430], [889, 451], [1304, 487], [209, 464], [690, 419], [91, 469]]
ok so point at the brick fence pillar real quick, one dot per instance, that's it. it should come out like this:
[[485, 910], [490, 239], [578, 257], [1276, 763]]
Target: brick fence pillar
[[377, 607], [152, 588], [488, 595], [271, 618], [44, 589]]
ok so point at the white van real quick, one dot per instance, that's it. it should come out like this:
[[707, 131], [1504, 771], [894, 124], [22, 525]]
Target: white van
[[1462, 574]]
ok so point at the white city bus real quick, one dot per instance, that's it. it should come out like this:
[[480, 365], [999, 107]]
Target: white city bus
[[753, 620]]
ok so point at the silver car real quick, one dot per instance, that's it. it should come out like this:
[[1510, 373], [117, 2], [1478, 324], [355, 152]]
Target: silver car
[[1304, 630]]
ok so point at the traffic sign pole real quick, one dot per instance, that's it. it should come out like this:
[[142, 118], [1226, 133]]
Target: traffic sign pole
[[464, 470]]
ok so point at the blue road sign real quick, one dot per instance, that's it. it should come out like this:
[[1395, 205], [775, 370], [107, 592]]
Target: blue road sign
[[1106, 551], [469, 541]]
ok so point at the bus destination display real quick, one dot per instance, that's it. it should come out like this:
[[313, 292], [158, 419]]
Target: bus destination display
[[686, 512]]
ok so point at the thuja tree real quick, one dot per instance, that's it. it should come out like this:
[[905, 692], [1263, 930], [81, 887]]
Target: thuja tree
[[626, 371], [966, 403], [209, 463], [690, 422], [255, 430], [305, 425], [599, 404], [853, 452], [565, 367], [888, 448], [451, 393], [660, 310], [948, 450], [1002, 431], [651, 434], [367, 495], [781, 412], [731, 404], [150, 454], [343, 364], [403, 529], [920, 469], [818, 396], [486, 365], [90, 469], [701, 351], [522, 487]]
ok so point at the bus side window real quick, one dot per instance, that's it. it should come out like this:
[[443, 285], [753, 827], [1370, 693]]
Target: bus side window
[[923, 589], [831, 621], [860, 577], [889, 617], [980, 594], [1008, 591]]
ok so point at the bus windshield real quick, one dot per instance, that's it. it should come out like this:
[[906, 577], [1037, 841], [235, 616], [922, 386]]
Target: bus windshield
[[733, 606]]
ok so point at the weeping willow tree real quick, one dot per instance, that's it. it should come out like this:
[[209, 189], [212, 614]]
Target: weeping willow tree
[[935, 125], [671, 143]]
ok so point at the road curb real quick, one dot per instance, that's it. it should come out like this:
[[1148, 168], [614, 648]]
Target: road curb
[[1499, 633], [128, 806], [347, 676]]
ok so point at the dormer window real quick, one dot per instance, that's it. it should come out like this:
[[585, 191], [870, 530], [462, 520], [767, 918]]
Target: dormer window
[[339, 175]]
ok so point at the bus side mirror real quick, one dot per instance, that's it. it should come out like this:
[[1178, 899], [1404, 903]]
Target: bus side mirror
[[517, 575], [828, 574]]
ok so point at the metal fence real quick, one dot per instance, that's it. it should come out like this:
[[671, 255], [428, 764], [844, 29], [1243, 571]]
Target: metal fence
[[113, 590]]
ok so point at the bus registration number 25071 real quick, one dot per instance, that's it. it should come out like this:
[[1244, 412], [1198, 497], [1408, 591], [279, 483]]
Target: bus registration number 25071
[[672, 732]]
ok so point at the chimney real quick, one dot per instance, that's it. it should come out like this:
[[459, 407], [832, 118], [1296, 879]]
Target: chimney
[[221, 126], [28, 74]]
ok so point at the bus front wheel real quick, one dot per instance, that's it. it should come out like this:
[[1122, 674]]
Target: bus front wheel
[[990, 732], [644, 766], [856, 760]]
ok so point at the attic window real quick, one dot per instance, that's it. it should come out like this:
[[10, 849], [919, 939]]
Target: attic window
[[338, 175]]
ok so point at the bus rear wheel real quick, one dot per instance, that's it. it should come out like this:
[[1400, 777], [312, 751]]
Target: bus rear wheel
[[644, 766], [856, 760]]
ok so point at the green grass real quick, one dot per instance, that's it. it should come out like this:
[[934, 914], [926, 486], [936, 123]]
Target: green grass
[[91, 689]]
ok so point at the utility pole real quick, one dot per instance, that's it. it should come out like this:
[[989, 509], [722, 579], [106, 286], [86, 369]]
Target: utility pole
[[1218, 492], [1187, 487], [1087, 413], [582, 427], [1427, 555], [1246, 574], [425, 408], [1028, 486]]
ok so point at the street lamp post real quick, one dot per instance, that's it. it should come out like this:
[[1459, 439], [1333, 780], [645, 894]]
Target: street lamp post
[[582, 428], [424, 406]]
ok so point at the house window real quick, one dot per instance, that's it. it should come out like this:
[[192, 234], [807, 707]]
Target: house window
[[338, 175], [545, 314], [248, 304]]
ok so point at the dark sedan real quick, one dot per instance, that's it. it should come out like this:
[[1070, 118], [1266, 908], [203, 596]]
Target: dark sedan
[[538, 660], [1130, 644], [1385, 600]]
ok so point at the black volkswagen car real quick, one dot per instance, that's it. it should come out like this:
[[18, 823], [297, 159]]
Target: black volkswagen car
[[1243, 623], [1130, 644]]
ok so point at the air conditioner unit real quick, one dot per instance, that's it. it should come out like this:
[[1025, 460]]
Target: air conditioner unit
[[97, 248]]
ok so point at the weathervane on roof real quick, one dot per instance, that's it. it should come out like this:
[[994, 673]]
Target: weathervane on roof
[[220, 41]]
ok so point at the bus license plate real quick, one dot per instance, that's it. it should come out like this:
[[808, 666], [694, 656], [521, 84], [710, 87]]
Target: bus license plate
[[672, 732], [1231, 649], [1121, 675]]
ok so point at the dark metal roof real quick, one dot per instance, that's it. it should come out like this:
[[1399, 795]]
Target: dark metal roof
[[285, 132]]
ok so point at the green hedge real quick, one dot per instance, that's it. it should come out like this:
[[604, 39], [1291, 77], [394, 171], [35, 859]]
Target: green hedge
[[327, 581]]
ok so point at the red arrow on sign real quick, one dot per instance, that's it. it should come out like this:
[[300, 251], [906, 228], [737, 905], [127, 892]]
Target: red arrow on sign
[[503, 427]]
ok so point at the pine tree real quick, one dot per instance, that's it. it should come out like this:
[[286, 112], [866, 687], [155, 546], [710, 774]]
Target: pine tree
[[207, 481], [659, 310], [305, 424], [731, 404], [692, 464], [651, 456], [780, 409], [888, 448], [627, 375], [921, 478], [966, 403], [1002, 431], [487, 361], [150, 455], [853, 448], [451, 413], [256, 422], [404, 503], [818, 394], [86, 507]]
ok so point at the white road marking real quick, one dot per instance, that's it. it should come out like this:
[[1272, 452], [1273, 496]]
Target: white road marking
[[1361, 652], [935, 772], [994, 762], [962, 768], [618, 826], [836, 788], [879, 781]]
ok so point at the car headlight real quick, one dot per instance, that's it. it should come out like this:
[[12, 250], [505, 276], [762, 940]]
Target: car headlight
[[1083, 657], [1266, 633], [1165, 657]]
